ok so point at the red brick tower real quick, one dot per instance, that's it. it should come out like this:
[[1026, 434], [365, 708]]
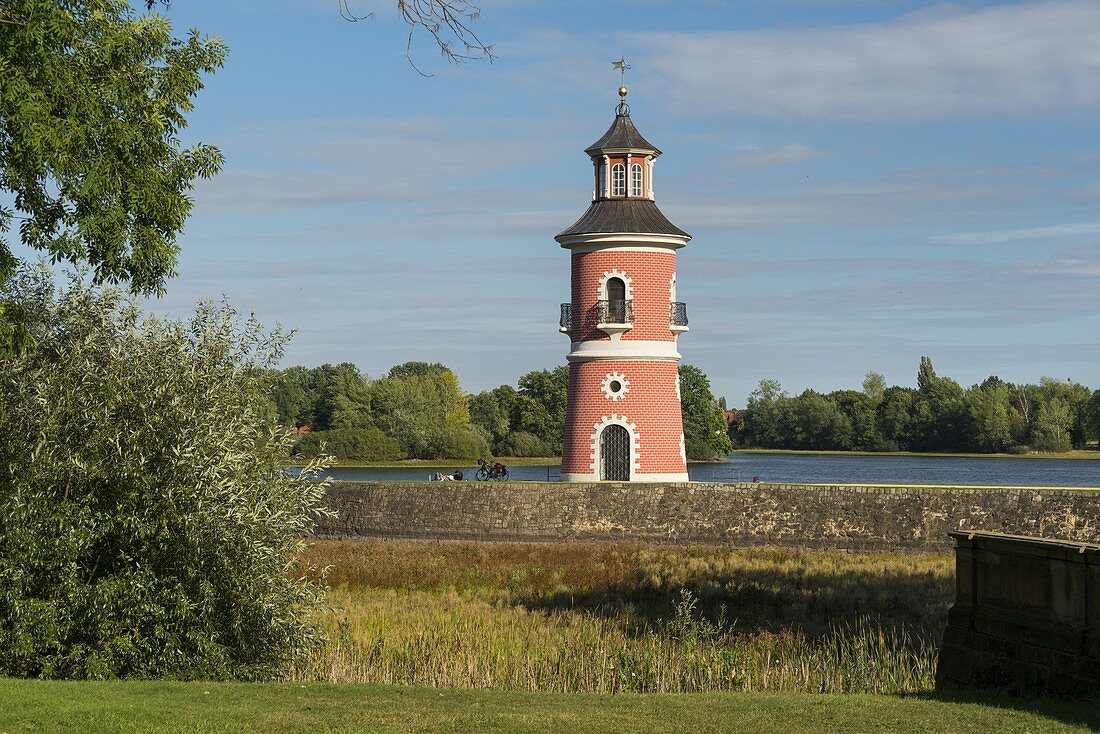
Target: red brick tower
[[623, 421]]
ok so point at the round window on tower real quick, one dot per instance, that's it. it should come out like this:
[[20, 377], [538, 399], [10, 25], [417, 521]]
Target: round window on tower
[[615, 386]]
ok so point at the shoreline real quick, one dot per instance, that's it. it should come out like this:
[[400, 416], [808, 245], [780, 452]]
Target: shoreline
[[1075, 455], [1078, 455]]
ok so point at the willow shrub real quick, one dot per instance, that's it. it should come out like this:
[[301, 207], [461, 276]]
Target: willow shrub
[[146, 527]]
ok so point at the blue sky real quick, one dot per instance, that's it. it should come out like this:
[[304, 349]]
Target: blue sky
[[866, 182]]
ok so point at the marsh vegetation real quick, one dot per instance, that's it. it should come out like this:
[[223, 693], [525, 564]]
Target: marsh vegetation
[[613, 617]]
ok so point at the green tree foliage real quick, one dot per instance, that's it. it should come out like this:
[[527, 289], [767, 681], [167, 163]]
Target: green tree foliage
[[343, 398], [525, 422], [764, 422], [492, 411], [349, 444], [857, 423], [1076, 399], [1092, 417], [92, 102], [540, 407], [293, 393], [1053, 423], [874, 388], [939, 415], [704, 418], [894, 416], [994, 425], [818, 423], [146, 527], [424, 408]]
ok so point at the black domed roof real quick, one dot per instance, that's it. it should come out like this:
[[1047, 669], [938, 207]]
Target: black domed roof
[[621, 135], [632, 216]]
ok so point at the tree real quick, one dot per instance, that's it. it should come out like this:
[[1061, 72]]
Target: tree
[[1076, 398], [343, 399], [939, 413], [819, 424], [763, 422], [1053, 424], [147, 527], [994, 424], [92, 103], [704, 420], [540, 408], [445, 21], [291, 392], [492, 410], [895, 418], [874, 387], [349, 444], [1092, 416], [858, 409], [423, 407]]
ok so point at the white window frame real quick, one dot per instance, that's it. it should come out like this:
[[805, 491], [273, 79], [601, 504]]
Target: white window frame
[[636, 180], [618, 180]]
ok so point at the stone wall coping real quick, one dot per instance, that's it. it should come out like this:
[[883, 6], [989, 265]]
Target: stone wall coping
[[720, 485], [1025, 541]]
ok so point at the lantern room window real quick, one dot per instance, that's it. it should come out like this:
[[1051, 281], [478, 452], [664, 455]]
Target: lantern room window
[[636, 179], [618, 180]]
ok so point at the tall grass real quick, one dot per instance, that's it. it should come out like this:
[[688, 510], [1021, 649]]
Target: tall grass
[[619, 617]]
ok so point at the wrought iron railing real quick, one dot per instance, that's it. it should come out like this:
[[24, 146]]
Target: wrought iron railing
[[566, 321], [615, 312], [678, 313]]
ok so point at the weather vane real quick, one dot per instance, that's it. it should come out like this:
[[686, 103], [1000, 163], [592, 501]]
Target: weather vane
[[622, 66]]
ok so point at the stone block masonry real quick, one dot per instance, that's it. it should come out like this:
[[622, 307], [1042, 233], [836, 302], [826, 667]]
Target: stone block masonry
[[1026, 616], [812, 516]]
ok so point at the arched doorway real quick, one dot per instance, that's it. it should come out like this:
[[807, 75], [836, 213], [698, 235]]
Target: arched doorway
[[615, 454]]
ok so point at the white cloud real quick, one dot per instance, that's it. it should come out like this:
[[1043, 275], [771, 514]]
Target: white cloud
[[946, 61], [777, 156], [1011, 235]]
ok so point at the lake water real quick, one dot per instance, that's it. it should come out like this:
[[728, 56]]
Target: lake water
[[816, 469]]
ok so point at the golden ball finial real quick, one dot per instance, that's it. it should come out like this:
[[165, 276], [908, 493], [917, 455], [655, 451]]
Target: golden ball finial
[[622, 92]]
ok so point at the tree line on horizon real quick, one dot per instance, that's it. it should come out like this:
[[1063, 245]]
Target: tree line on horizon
[[938, 415], [418, 410]]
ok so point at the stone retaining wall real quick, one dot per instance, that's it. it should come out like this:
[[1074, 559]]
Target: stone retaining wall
[[821, 516], [1026, 616]]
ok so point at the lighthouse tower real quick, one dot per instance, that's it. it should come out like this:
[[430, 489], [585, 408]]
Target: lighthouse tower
[[623, 421]]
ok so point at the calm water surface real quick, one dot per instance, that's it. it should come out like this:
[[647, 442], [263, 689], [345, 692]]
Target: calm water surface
[[809, 469]]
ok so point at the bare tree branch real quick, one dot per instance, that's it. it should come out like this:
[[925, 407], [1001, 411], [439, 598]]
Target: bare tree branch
[[447, 21]]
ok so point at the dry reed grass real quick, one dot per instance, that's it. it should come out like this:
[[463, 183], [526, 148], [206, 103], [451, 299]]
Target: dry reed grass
[[606, 617]]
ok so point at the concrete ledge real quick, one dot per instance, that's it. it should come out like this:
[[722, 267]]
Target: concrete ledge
[[815, 516]]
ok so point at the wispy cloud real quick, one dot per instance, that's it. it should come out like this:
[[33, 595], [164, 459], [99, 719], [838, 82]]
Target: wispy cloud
[[786, 154], [947, 61], [1011, 235]]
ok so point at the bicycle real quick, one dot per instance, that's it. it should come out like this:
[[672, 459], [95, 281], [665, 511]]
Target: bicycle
[[487, 471]]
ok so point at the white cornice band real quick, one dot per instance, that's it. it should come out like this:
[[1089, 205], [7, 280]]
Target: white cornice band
[[602, 240], [662, 351]]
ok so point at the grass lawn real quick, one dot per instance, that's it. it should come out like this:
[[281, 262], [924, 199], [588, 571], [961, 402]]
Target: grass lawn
[[182, 708]]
